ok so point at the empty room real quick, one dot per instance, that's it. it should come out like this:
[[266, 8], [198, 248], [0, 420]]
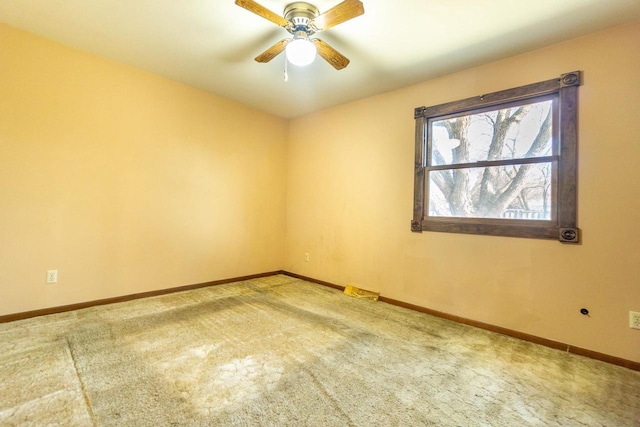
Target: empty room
[[323, 213]]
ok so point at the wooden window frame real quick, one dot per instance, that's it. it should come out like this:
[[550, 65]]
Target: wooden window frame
[[562, 225]]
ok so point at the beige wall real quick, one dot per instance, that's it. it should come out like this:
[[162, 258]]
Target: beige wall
[[350, 189], [127, 182]]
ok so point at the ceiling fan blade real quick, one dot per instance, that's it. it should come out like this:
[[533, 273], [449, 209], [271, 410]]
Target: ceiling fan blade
[[338, 14], [273, 51], [332, 56], [260, 10]]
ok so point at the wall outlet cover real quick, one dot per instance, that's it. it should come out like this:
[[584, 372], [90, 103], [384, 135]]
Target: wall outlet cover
[[52, 276], [634, 319]]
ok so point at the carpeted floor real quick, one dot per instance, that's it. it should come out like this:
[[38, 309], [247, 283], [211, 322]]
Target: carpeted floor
[[278, 351]]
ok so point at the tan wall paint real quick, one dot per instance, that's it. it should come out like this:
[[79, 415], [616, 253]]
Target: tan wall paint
[[127, 182], [350, 189]]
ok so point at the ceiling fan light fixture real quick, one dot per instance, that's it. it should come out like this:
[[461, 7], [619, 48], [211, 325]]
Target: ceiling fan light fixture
[[303, 20], [301, 51]]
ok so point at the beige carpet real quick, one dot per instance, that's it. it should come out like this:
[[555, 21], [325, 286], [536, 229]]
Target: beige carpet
[[278, 351]]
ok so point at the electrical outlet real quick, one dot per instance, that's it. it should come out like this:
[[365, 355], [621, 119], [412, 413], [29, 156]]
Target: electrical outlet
[[307, 257], [52, 276], [634, 319]]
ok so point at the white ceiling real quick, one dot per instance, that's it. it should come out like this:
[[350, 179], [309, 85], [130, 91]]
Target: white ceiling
[[210, 44]]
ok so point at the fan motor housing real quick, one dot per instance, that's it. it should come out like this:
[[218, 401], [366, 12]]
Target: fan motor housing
[[300, 13]]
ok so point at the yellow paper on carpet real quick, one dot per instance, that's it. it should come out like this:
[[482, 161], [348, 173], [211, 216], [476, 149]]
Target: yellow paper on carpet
[[361, 293]]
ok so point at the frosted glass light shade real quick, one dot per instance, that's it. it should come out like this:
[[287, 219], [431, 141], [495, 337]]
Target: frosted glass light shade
[[301, 52]]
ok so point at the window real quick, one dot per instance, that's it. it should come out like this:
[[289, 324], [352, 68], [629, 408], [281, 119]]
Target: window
[[500, 164]]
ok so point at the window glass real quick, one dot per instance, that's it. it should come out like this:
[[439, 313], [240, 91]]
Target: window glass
[[513, 191], [521, 131]]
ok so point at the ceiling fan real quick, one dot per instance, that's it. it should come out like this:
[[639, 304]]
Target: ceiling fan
[[302, 20]]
